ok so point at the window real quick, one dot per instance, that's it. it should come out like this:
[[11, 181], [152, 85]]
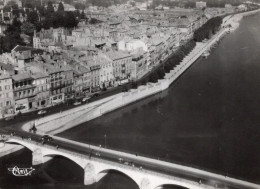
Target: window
[[0, 88], [7, 103], [7, 87]]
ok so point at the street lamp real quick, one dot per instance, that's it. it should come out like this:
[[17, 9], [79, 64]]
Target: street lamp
[[105, 140]]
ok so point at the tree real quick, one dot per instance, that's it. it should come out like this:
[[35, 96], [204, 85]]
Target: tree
[[10, 5], [79, 6], [161, 73], [15, 27], [10, 40], [50, 8], [32, 17], [1, 44], [134, 85], [60, 7], [167, 67], [71, 20], [82, 15], [27, 28], [132, 3], [209, 28], [153, 77]]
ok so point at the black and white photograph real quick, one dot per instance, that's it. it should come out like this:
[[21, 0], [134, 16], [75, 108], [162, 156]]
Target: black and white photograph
[[129, 94]]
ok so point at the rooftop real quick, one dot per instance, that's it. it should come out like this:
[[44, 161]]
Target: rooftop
[[22, 76], [116, 55]]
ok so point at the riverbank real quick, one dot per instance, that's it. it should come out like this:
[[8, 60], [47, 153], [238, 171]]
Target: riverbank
[[68, 119]]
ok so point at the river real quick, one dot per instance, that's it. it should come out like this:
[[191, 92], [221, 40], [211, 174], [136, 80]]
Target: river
[[208, 119]]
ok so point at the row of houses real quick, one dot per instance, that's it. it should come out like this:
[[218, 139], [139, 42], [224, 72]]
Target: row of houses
[[32, 79]]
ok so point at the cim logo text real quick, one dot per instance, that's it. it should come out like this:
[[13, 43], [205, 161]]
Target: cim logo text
[[20, 172]]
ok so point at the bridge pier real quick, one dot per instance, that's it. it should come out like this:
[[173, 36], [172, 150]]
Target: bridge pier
[[89, 174], [38, 158], [145, 184]]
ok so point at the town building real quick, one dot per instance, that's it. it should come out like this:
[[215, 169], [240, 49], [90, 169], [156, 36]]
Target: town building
[[122, 64], [201, 4], [24, 92], [6, 94]]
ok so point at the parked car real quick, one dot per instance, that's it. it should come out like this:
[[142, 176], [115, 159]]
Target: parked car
[[85, 99], [9, 118], [97, 154], [95, 95], [42, 112], [125, 89], [46, 138], [76, 103]]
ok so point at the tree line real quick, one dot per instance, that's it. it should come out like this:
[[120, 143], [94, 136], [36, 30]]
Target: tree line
[[174, 60], [37, 18], [208, 29], [167, 66]]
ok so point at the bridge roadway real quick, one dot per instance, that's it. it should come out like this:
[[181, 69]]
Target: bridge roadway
[[143, 163]]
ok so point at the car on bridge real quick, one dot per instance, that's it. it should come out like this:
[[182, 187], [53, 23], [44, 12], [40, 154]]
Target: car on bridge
[[120, 159], [45, 138], [12, 133], [97, 154]]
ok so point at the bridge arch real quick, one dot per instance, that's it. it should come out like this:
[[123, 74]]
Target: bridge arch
[[102, 173], [25, 144], [71, 158]]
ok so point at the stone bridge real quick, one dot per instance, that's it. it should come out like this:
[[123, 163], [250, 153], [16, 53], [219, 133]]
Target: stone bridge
[[96, 168]]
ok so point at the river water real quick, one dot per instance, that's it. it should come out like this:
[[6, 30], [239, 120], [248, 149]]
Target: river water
[[208, 119]]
